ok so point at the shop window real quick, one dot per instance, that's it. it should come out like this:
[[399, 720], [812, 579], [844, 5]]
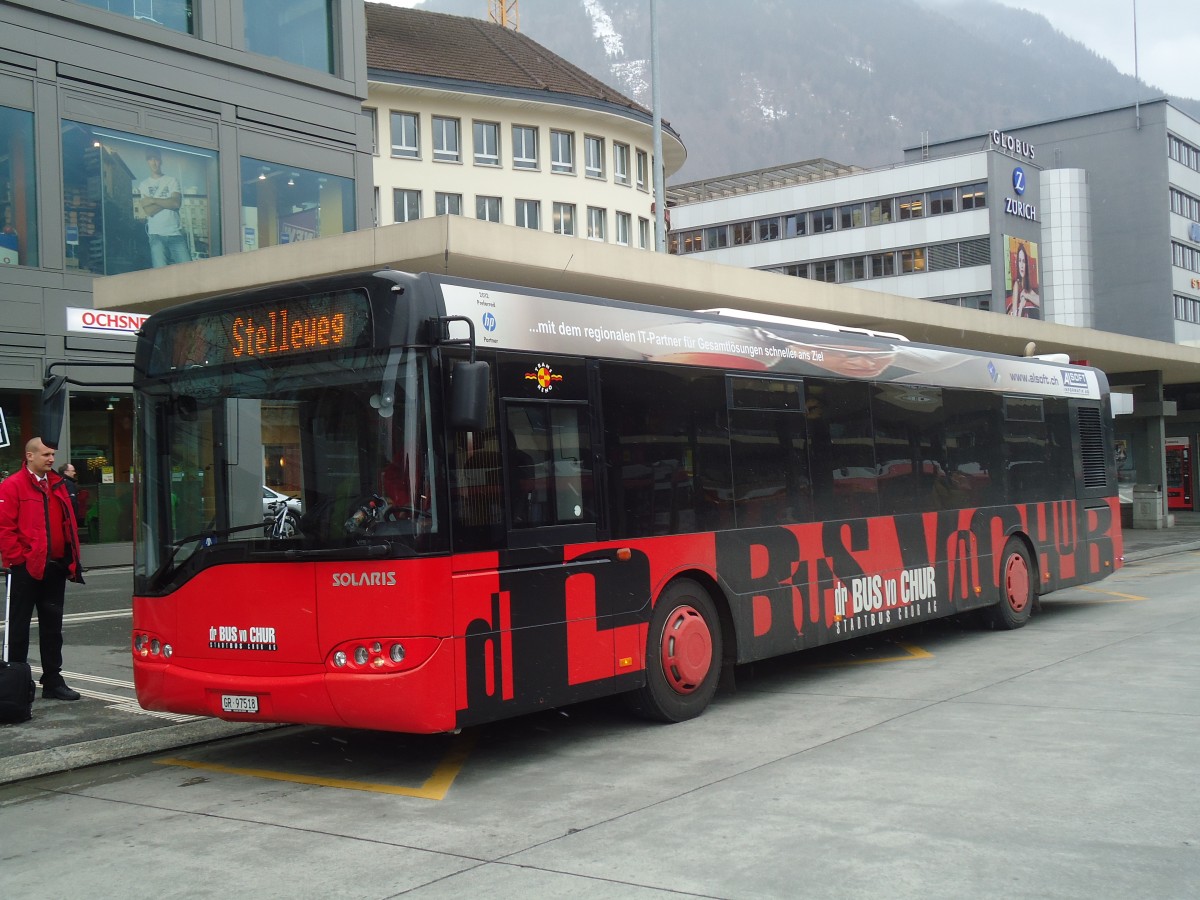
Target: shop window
[[131, 202], [173, 14], [296, 31], [18, 189], [282, 205], [101, 449], [20, 409]]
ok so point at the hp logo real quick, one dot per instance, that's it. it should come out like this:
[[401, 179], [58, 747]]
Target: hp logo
[[489, 321]]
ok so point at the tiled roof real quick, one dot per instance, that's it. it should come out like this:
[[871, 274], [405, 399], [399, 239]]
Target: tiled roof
[[416, 42]]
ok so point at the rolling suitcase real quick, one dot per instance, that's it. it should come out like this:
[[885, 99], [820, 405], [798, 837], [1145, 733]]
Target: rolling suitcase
[[16, 679]]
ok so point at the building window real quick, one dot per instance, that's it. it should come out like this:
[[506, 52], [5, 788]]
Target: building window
[[743, 233], [593, 156], [822, 221], [1185, 205], [621, 163], [795, 225], [487, 144], [643, 233], [972, 196], [768, 229], [1185, 257], [854, 268], [686, 241], [406, 205], [447, 204], [716, 237], [796, 270], [1183, 152], [525, 147], [941, 202], [852, 216], [529, 214], [880, 212], [18, 189], [282, 205], [373, 116], [624, 228], [562, 152], [446, 147], [942, 257], [825, 271], [1187, 309], [296, 31], [487, 208], [564, 218], [129, 202], [173, 14], [597, 223], [912, 260], [405, 135], [974, 252], [883, 265], [911, 207], [643, 169]]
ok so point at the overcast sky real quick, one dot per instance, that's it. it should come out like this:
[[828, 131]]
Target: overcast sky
[[1168, 34]]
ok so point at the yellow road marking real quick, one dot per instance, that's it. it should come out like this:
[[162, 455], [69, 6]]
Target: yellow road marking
[[912, 652], [435, 787], [1120, 598]]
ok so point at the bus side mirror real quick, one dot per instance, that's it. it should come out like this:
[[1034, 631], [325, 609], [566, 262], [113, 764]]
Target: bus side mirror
[[468, 410], [54, 405]]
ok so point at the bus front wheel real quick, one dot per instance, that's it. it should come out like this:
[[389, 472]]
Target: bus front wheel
[[683, 655], [1017, 591]]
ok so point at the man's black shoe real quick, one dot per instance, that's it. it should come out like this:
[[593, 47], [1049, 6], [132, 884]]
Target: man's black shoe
[[59, 692]]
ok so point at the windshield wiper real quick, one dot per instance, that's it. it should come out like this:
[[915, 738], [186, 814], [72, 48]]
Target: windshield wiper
[[367, 551], [214, 533], [178, 545]]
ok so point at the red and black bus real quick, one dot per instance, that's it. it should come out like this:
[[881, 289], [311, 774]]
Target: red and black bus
[[512, 499]]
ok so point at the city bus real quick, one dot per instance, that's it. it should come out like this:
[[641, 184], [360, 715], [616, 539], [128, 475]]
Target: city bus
[[511, 499]]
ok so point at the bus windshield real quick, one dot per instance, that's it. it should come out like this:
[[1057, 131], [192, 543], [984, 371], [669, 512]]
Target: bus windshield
[[291, 459]]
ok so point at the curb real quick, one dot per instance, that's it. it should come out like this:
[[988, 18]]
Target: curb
[[54, 760], [1165, 550]]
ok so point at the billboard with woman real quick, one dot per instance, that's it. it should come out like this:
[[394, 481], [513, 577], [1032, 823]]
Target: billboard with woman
[[1022, 293]]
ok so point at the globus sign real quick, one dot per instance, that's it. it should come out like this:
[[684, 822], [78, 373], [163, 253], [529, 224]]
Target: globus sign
[[103, 321]]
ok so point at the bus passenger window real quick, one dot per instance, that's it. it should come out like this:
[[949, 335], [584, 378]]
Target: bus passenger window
[[548, 465], [768, 441], [841, 449], [667, 450]]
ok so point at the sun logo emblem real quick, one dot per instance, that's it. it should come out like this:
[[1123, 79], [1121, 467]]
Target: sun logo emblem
[[545, 377]]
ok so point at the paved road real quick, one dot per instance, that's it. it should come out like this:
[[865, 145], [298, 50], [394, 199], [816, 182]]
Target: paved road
[[1062, 760]]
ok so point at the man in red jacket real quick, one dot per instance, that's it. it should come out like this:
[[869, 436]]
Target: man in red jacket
[[39, 542]]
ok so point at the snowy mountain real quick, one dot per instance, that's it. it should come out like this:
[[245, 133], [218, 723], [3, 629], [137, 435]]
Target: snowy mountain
[[758, 83]]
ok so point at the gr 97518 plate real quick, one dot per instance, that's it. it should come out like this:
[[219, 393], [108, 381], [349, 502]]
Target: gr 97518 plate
[[239, 703]]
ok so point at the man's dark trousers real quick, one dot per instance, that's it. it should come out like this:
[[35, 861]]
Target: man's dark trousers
[[46, 596]]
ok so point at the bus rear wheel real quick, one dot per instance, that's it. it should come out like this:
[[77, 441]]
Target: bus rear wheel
[[1017, 589], [683, 655]]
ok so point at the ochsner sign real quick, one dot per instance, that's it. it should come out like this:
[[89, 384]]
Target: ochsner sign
[[103, 321]]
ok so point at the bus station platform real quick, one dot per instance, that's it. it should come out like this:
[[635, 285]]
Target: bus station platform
[[107, 725]]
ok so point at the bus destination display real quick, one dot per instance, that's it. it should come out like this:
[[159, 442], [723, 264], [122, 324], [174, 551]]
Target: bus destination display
[[297, 325]]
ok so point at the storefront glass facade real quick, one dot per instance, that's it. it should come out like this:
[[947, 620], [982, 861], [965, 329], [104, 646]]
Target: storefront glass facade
[[131, 202], [18, 189]]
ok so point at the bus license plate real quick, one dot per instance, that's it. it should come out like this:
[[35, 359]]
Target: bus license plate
[[238, 703]]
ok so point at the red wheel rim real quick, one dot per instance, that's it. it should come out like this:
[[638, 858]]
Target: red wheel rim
[[686, 649], [1016, 582]]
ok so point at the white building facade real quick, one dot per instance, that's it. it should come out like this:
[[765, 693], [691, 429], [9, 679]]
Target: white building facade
[[474, 119]]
